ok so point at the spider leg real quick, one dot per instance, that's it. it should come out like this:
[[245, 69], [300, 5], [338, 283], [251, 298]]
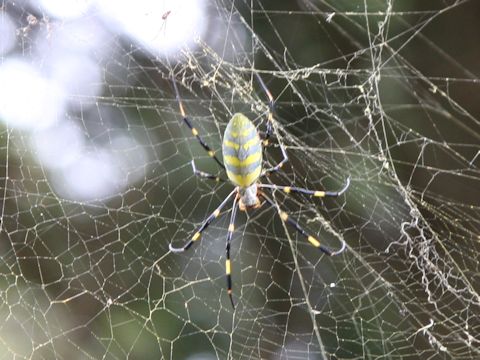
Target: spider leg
[[202, 228], [206, 175], [271, 128], [228, 264], [271, 108], [194, 131], [280, 164], [315, 242], [315, 193]]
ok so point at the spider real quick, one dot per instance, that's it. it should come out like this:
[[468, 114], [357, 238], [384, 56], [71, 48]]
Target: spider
[[242, 149]]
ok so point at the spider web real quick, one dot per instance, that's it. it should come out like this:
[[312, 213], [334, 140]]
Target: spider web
[[374, 90]]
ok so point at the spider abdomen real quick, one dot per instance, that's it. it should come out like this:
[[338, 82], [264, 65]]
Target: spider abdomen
[[242, 151]]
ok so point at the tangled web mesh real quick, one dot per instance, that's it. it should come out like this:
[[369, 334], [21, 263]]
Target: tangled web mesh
[[91, 276]]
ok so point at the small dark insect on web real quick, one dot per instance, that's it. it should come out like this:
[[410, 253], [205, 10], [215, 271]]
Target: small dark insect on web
[[163, 26], [165, 15]]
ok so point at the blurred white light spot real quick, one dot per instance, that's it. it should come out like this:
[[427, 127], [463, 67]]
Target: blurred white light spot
[[162, 26], [58, 146], [27, 99], [7, 33], [92, 177], [65, 8], [130, 158], [82, 35], [98, 174], [79, 76]]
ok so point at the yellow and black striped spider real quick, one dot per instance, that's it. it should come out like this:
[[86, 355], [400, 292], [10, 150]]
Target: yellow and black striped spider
[[242, 159]]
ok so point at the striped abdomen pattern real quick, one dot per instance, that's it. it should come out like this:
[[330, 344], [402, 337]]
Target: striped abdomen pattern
[[242, 151]]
